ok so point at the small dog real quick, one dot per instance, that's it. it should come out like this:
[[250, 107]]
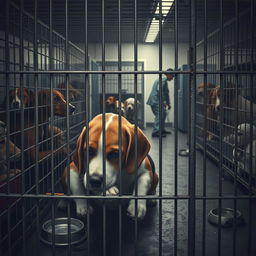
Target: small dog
[[129, 106], [13, 150], [74, 93], [147, 177], [111, 104], [231, 103]]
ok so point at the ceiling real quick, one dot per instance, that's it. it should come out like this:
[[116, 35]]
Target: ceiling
[[145, 12]]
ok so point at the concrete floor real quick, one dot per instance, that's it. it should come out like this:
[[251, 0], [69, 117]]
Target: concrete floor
[[148, 229]]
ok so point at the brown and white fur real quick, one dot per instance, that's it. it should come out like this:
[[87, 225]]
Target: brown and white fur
[[129, 106], [231, 103], [147, 179]]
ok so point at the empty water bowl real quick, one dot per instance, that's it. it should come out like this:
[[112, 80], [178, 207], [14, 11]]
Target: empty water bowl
[[226, 218], [61, 236]]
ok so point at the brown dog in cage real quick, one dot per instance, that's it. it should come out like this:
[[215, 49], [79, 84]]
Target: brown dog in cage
[[111, 104], [147, 178], [44, 129], [236, 108]]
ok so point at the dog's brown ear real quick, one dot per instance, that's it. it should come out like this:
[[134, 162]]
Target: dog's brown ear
[[79, 154], [143, 148]]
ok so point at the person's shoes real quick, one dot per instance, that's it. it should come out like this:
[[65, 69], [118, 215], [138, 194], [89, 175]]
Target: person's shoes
[[166, 132], [157, 134]]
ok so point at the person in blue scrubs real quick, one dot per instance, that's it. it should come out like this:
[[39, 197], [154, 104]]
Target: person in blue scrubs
[[153, 102]]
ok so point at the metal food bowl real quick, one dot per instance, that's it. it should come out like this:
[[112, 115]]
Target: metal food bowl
[[184, 152], [77, 232], [227, 217]]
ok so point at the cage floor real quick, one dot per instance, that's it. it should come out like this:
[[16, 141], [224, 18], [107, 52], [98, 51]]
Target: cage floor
[[148, 229]]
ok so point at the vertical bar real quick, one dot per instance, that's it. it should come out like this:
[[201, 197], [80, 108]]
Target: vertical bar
[[252, 42], [120, 127], [161, 126], [176, 131], [7, 68], [192, 155], [51, 124], [236, 123], [205, 125], [67, 120], [22, 125], [103, 125], [136, 123], [36, 117], [221, 60], [87, 94]]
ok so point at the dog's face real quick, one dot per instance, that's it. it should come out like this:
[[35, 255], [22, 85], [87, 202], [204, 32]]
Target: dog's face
[[111, 151], [15, 98], [111, 101], [130, 104], [201, 87], [59, 103]]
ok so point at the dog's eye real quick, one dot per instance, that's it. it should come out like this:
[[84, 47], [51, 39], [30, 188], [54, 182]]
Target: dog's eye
[[113, 155]]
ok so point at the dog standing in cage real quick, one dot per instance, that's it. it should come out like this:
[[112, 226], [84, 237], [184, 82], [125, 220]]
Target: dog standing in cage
[[129, 106], [147, 178]]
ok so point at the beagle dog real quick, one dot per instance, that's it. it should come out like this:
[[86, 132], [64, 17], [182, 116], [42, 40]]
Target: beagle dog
[[74, 93], [111, 104], [15, 98], [129, 106], [13, 151], [147, 178], [231, 103]]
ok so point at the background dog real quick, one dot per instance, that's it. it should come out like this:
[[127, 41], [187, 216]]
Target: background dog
[[129, 106], [147, 178]]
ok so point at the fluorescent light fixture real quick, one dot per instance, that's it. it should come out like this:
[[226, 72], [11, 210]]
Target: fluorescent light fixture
[[154, 25]]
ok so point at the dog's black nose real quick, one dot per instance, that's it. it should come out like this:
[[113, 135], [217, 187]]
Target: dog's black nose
[[71, 108], [96, 181]]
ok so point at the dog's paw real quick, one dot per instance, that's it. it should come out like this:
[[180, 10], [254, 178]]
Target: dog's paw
[[113, 191], [141, 210], [82, 210]]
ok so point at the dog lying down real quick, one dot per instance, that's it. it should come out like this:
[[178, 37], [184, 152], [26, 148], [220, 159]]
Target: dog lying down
[[147, 177]]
